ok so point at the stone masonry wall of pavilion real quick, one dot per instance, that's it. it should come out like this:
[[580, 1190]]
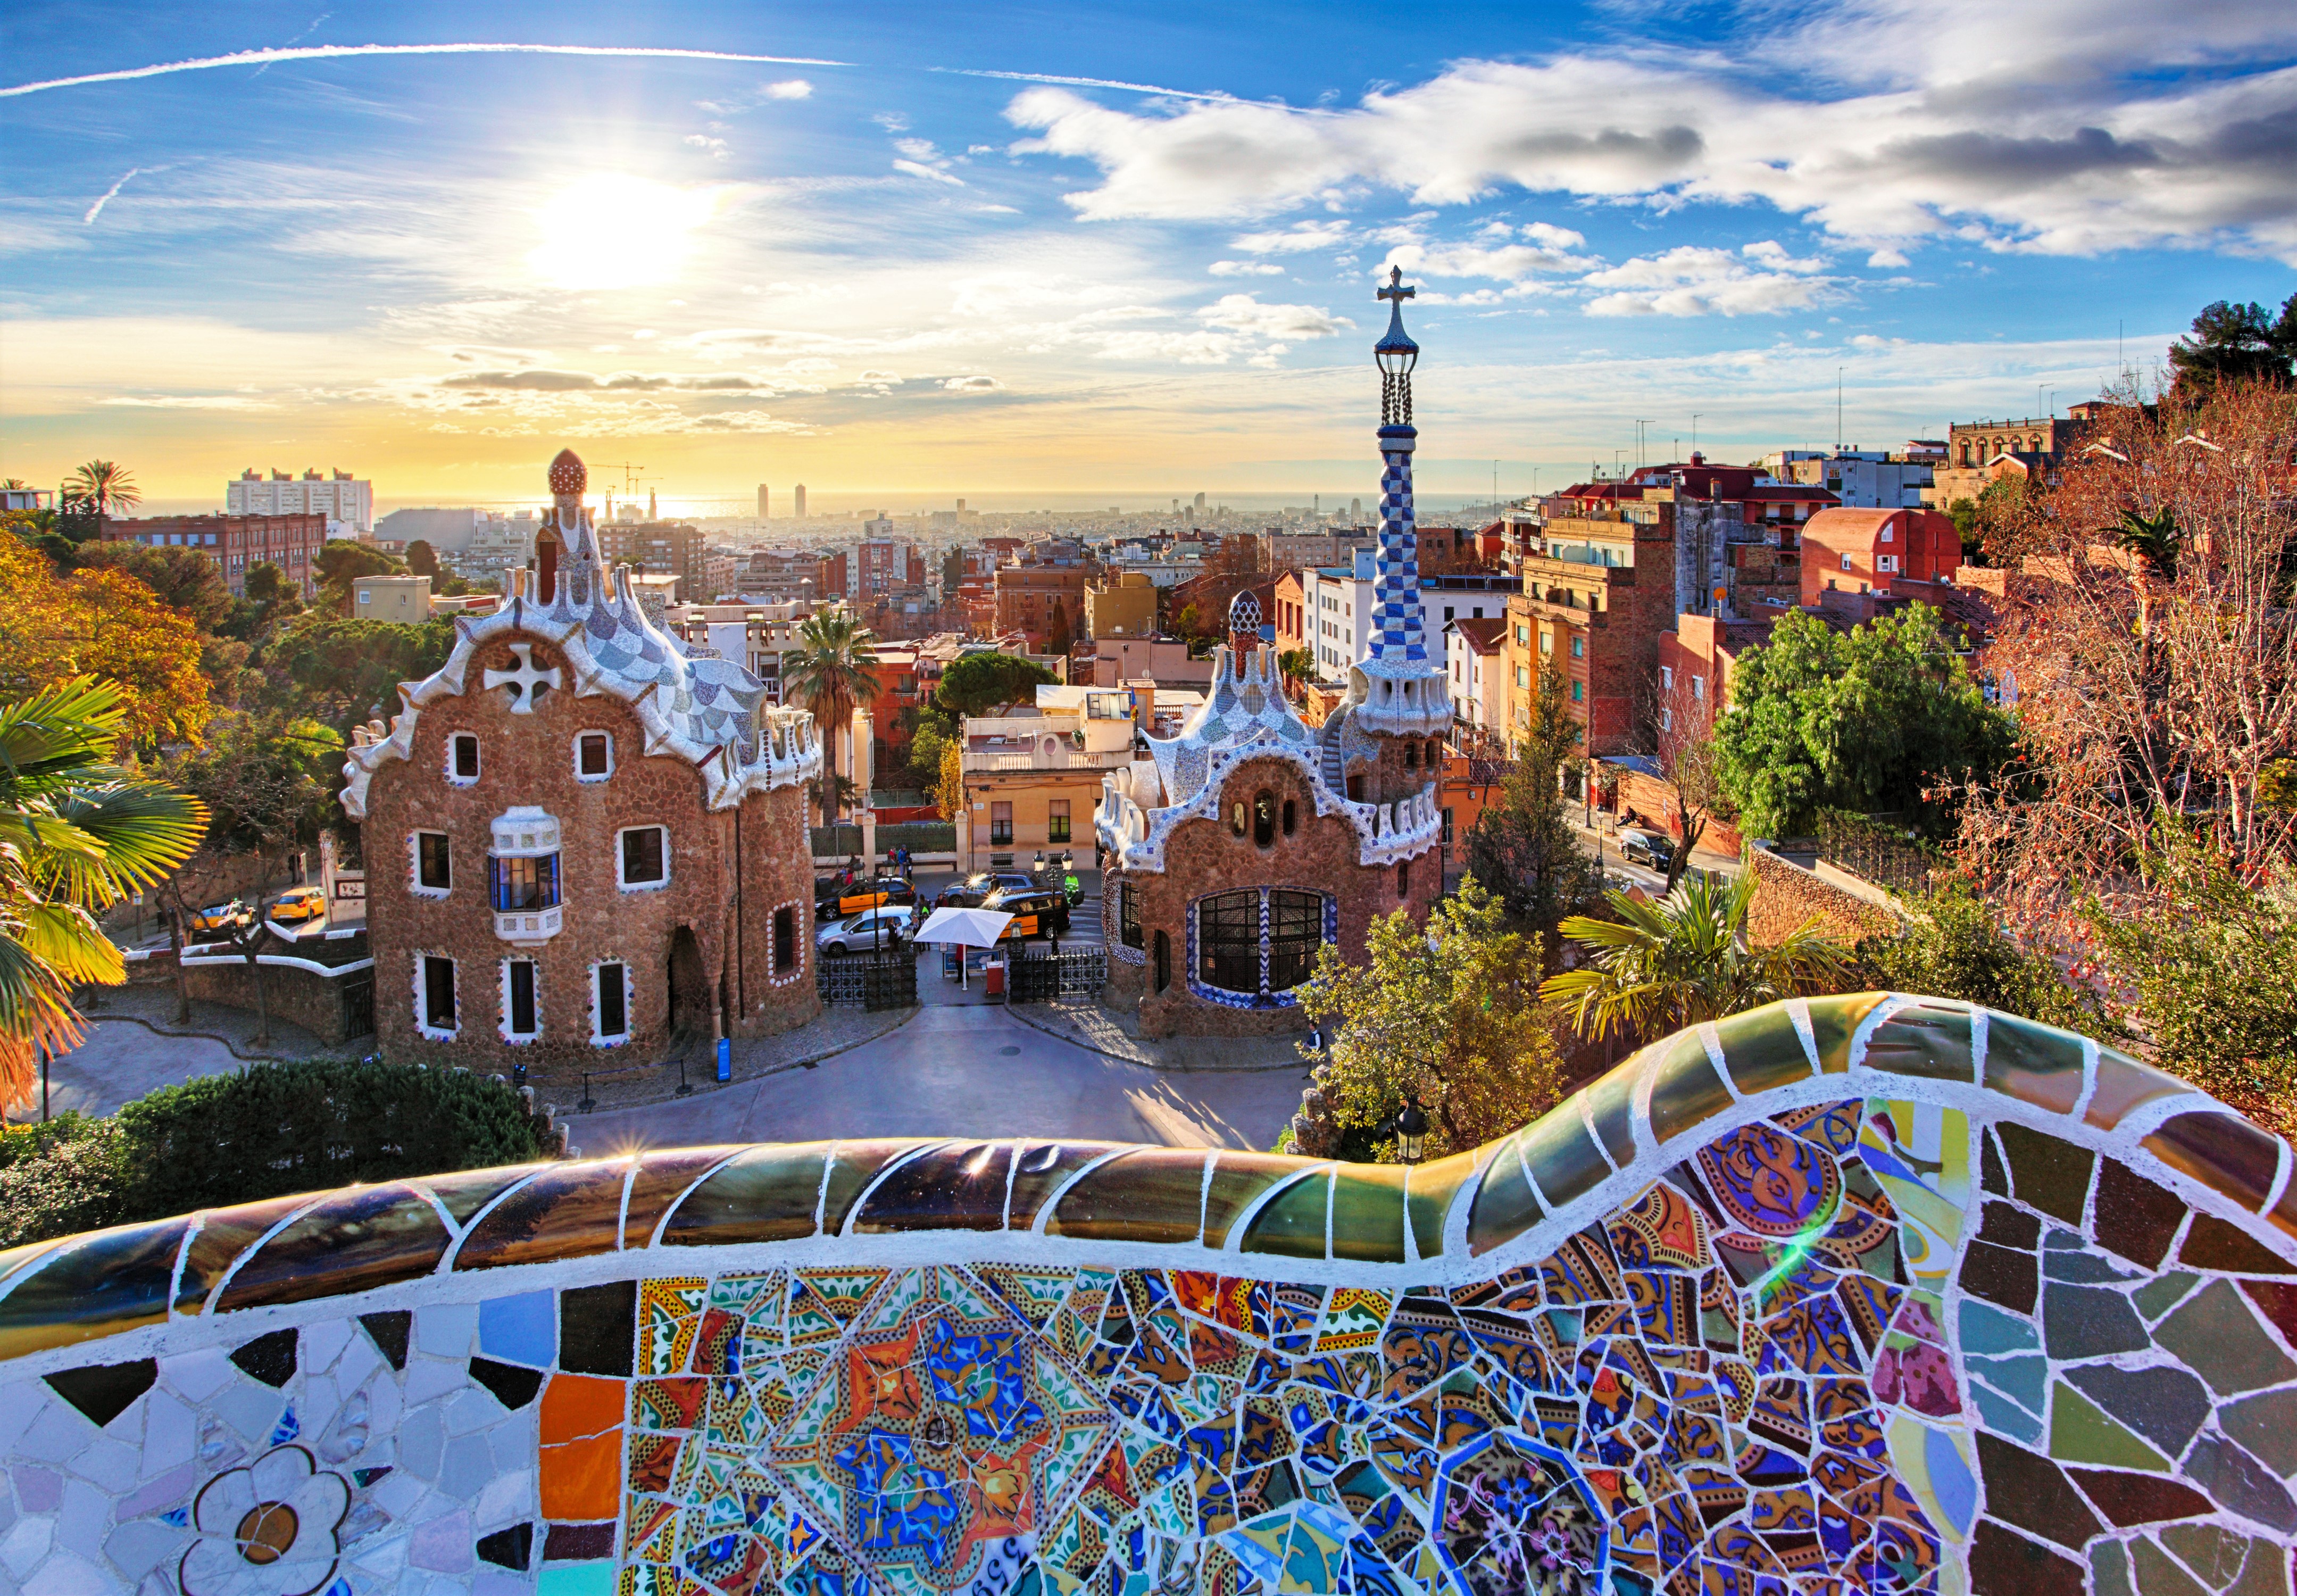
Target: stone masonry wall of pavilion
[[1865, 1293], [530, 759], [1205, 856]]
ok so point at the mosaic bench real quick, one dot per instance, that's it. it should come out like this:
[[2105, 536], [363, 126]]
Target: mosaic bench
[[1871, 1293]]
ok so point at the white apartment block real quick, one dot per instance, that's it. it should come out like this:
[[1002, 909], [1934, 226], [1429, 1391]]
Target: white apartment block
[[337, 496], [1339, 602]]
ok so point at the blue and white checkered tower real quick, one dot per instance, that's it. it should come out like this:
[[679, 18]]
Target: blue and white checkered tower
[[1396, 687]]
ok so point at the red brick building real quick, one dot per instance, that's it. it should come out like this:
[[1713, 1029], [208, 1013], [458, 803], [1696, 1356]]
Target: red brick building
[[236, 543], [1026, 596], [1859, 551], [582, 844]]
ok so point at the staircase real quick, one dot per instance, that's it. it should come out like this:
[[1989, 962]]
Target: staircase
[[1334, 766]]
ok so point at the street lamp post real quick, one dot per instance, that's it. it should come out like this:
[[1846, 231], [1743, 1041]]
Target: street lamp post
[[1411, 1131]]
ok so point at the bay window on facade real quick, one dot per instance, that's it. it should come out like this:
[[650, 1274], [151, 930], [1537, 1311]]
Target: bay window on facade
[[1253, 946], [523, 874]]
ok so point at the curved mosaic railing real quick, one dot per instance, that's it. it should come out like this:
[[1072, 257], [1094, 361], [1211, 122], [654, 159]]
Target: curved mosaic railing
[[1871, 1293]]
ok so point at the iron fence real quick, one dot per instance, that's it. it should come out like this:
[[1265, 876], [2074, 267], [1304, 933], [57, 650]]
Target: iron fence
[[872, 982], [1049, 974]]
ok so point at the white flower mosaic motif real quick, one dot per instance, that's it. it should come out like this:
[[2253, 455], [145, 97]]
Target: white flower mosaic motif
[[268, 1529]]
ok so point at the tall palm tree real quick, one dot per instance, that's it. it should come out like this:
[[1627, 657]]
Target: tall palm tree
[[1685, 960], [829, 673], [76, 834], [106, 485]]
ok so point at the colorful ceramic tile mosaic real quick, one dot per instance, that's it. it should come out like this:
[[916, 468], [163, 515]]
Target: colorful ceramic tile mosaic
[[1862, 1295]]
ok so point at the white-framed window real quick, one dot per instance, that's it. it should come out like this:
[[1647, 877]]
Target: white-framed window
[[1698, 690], [1845, 562], [1886, 534], [594, 756], [463, 758], [1666, 717], [642, 858], [521, 1001], [612, 994], [1886, 562], [786, 928], [438, 1009], [430, 863], [1666, 676]]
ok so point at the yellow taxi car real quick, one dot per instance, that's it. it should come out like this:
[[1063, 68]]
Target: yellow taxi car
[[304, 903], [223, 917]]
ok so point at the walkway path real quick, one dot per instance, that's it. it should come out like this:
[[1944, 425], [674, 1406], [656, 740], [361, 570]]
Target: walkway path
[[964, 1070]]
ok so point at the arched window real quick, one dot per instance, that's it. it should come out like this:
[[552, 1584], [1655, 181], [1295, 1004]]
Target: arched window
[[1263, 818], [1404, 879], [1236, 821], [1164, 961], [1252, 947], [1412, 756], [1291, 817]]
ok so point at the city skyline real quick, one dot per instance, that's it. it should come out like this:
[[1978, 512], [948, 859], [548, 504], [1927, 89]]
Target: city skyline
[[876, 254]]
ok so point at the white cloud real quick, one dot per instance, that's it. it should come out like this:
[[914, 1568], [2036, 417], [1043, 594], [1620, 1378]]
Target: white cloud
[[789, 88], [1244, 313], [2067, 127], [1245, 268], [921, 158], [891, 121], [972, 384], [1691, 281], [1295, 240], [1510, 263], [186, 401], [716, 147]]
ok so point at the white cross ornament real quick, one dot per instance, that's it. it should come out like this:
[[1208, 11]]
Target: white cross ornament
[[525, 682]]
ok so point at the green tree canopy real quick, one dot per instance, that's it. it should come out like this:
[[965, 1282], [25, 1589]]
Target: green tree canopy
[[1446, 1015], [422, 559], [976, 683], [338, 671], [1522, 846], [2235, 342], [342, 563], [184, 578], [1869, 721]]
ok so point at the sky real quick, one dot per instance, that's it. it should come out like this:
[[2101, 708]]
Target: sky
[[1028, 253]]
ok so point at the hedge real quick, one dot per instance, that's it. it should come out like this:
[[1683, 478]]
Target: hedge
[[270, 1130]]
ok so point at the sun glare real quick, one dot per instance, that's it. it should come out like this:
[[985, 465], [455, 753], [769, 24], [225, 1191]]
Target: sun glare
[[611, 230]]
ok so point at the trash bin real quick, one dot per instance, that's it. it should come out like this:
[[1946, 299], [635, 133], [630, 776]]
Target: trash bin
[[995, 975]]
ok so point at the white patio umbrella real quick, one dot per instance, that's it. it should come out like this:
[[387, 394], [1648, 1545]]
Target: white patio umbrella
[[967, 927]]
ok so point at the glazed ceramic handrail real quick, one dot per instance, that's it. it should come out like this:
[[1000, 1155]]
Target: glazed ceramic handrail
[[1450, 1221]]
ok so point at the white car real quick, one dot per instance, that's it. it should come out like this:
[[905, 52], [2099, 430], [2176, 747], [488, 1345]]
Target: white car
[[889, 927]]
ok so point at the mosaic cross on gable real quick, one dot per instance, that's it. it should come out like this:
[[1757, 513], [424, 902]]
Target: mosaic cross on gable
[[525, 683]]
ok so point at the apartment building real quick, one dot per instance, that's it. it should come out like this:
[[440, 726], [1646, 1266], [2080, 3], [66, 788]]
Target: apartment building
[[236, 543]]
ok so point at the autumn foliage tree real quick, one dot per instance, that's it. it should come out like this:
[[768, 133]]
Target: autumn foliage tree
[[104, 623]]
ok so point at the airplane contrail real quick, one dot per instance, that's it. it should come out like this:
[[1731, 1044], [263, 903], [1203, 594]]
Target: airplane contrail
[[1138, 88], [248, 58], [96, 210]]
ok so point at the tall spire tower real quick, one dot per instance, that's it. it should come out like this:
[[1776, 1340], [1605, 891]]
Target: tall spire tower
[[1396, 688]]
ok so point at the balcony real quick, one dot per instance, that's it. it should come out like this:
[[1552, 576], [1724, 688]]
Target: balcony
[[1015, 760]]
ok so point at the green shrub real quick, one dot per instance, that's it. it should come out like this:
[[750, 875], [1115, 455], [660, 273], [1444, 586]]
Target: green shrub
[[269, 1131], [1956, 947]]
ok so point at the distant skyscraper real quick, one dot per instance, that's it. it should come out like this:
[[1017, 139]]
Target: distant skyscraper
[[650, 510], [762, 499], [800, 491], [1355, 509], [1200, 504]]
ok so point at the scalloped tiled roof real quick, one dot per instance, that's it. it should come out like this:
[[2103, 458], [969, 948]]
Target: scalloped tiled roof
[[1460, 1219]]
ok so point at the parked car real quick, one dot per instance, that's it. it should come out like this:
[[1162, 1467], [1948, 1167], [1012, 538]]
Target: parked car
[[1646, 848], [874, 894], [224, 917], [888, 927], [1035, 911], [969, 892], [304, 903]]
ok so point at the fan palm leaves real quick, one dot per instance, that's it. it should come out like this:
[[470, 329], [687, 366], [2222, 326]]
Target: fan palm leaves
[[2156, 538], [1684, 960], [106, 485], [76, 834], [829, 672]]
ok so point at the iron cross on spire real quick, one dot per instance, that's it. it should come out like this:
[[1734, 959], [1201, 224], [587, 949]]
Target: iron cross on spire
[[1396, 290]]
